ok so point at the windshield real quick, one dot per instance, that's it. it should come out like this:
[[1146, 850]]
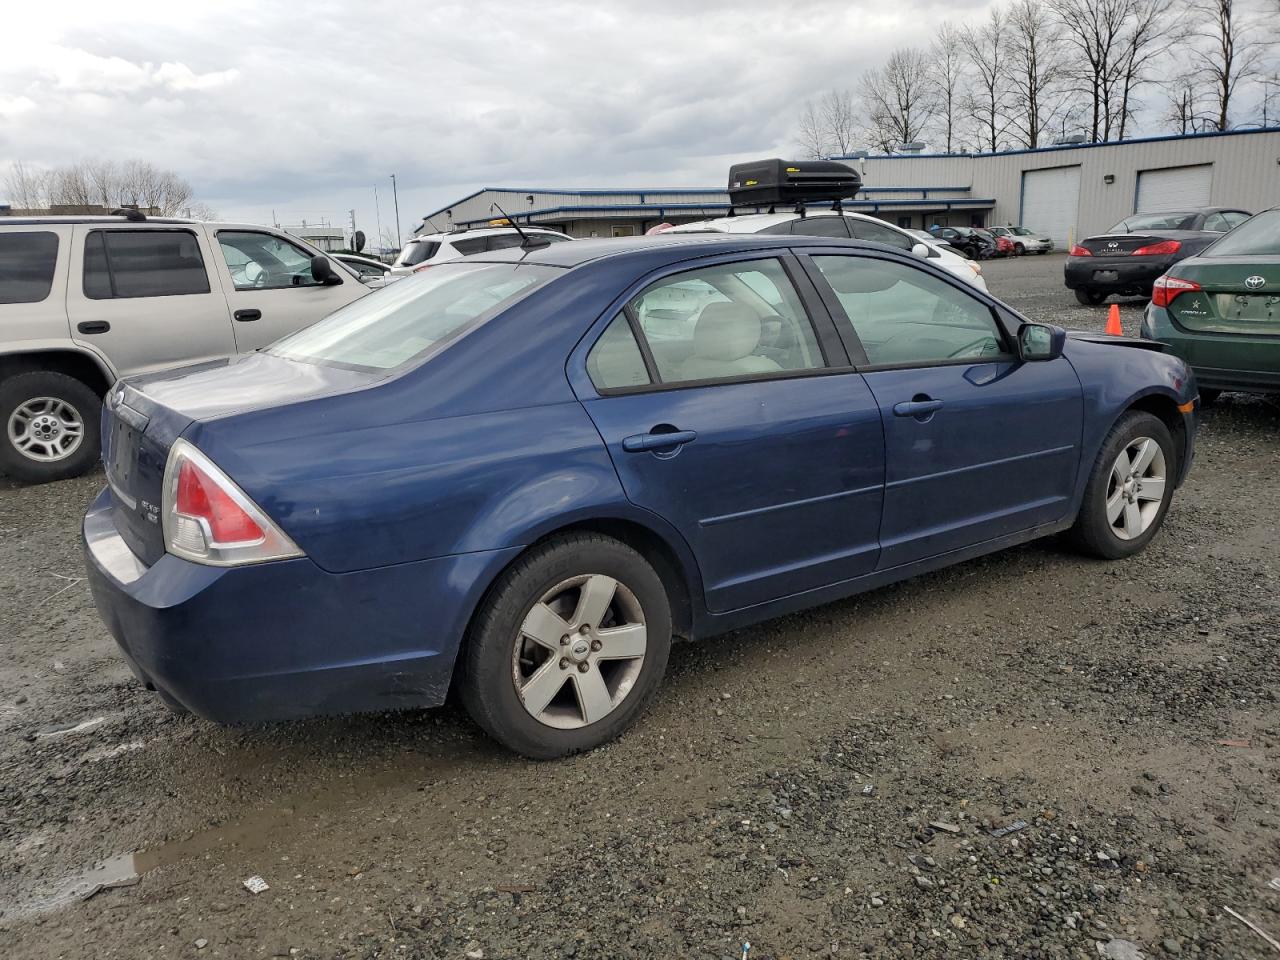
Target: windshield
[[1257, 236], [405, 320], [417, 251], [1020, 231], [1155, 221]]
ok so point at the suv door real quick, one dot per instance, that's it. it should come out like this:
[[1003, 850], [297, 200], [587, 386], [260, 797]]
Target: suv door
[[730, 410], [144, 297], [270, 290], [977, 443]]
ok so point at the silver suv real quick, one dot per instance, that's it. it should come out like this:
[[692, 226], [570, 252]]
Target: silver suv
[[85, 300]]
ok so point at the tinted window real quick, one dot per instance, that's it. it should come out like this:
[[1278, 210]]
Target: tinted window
[[729, 321], [1259, 236], [820, 227], [263, 261], [504, 241], [27, 261], [416, 252], [880, 233], [143, 263], [1234, 218], [615, 361], [474, 245], [907, 316], [406, 319]]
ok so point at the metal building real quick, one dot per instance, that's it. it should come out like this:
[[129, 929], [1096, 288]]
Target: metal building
[[1066, 191]]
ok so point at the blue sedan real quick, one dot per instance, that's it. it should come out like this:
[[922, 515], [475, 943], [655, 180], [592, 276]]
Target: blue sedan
[[520, 476]]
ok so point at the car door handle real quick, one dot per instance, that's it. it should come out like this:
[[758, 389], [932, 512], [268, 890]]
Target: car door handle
[[244, 316], [658, 441], [920, 407], [93, 326]]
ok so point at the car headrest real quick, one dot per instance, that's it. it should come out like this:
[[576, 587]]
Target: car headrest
[[726, 331]]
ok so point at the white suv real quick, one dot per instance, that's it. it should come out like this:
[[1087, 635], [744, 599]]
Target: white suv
[[854, 225], [85, 300], [430, 249]]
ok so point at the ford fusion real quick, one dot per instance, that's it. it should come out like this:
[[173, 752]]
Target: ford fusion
[[520, 474]]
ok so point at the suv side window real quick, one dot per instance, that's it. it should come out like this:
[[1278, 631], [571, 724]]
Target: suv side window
[[27, 263], [466, 248], [820, 227], [504, 241], [143, 263], [615, 362], [263, 261], [904, 316], [726, 322], [880, 233]]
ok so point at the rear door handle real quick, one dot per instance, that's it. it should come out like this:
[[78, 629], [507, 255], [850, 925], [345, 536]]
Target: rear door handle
[[917, 408], [93, 326], [244, 316], [658, 441]]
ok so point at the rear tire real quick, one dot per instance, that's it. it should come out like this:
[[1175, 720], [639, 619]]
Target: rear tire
[[49, 427], [522, 675], [1090, 298], [1118, 516]]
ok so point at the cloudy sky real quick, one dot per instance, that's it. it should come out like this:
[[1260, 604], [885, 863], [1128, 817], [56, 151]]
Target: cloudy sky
[[301, 108]]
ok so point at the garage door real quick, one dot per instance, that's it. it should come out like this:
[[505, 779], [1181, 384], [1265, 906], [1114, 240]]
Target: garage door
[[1050, 199], [1174, 188]]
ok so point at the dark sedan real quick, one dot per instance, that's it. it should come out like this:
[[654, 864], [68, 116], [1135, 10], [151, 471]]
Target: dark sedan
[[1127, 258]]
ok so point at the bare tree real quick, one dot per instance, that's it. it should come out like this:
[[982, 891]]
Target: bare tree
[[1034, 53], [899, 98], [1095, 31], [812, 133], [1151, 29], [1233, 50], [26, 189], [1185, 104], [70, 186], [840, 120], [986, 101], [947, 69]]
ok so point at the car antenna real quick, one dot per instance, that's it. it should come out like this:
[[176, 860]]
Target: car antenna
[[525, 239]]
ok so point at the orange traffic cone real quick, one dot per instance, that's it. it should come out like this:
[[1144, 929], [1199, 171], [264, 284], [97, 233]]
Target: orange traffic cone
[[1113, 321]]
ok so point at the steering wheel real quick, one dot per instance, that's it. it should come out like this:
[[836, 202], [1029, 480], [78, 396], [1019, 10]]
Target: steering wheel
[[255, 274], [982, 344]]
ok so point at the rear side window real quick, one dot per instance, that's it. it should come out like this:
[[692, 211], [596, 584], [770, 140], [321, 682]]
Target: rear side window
[[122, 264], [416, 252], [615, 362], [475, 245], [820, 227], [880, 233], [27, 262], [504, 241]]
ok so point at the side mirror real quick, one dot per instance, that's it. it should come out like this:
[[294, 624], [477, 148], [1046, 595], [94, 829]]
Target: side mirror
[[1040, 341], [322, 271], [921, 250]]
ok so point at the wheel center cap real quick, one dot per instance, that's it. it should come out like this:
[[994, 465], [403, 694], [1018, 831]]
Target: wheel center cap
[[579, 649]]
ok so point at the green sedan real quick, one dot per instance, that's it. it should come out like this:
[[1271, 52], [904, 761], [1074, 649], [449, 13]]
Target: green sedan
[[1220, 310]]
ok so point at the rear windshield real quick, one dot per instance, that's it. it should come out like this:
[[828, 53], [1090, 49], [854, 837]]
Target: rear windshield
[[27, 260], [402, 322], [416, 252], [1257, 237], [1155, 221]]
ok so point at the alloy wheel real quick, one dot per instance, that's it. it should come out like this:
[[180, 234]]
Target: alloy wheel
[[1136, 488], [46, 429], [579, 651]]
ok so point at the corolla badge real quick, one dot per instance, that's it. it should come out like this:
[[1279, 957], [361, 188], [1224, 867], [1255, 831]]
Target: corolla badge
[[1254, 282]]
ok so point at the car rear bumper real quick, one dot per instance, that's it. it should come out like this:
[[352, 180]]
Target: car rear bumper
[[284, 639], [1114, 274], [1220, 361]]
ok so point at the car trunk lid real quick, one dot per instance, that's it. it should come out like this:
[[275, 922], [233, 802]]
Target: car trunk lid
[[1237, 296], [1119, 244]]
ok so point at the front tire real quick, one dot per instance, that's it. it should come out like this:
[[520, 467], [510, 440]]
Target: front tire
[[568, 648], [1129, 489], [49, 427], [1019, 250], [1090, 298]]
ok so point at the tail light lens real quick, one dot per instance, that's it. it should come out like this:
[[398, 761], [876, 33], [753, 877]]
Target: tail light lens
[[1079, 251], [208, 519], [1166, 289], [1162, 248]]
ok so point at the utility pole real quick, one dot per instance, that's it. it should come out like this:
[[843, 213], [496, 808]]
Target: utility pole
[[353, 224], [396, 195], [377, 214]]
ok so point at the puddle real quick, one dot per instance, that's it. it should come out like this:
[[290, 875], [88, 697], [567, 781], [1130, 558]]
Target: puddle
[[118, 871]]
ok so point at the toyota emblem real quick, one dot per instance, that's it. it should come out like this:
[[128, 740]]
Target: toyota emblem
[[1254, 282]]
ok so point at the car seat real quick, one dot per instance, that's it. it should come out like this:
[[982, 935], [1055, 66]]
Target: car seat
[[725, 340]]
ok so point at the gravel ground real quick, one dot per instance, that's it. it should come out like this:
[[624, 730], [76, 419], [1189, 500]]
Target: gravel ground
[[824, 785]]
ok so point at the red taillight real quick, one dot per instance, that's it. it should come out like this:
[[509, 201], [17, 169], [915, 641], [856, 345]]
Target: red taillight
[[1167, 289], [1079, 251], [1158, 249], [199, 498]]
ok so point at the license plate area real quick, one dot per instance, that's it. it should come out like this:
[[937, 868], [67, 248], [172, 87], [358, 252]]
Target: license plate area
[[1106, 276], [122, 460], [1254, 307]]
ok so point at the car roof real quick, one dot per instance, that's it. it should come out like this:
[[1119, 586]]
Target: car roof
[[479, 232], [109, 221]]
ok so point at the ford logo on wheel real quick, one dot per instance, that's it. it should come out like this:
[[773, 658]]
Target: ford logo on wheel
[[1254, 282]]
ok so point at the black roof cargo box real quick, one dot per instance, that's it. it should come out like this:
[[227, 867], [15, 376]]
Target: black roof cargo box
[[767, 182]]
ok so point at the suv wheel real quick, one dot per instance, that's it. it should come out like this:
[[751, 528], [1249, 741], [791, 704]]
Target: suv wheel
[[568, 648], [50, 427]]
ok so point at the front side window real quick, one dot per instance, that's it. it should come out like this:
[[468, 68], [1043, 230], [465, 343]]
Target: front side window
[[263, 261], [726, 322], [1259, 236], [27, 263], [820, 227], [615, 362], [880, 233], [407, 319], [904, 315], [122, 264], [416, 252]]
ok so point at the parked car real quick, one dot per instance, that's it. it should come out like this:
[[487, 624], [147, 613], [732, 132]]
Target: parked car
[[968, 240], [84, 300], [1127, 258], [1220, 310], [1024, 241], [429, 249], [841, 226], [374, 274], [520, 474], [1003, 245]]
